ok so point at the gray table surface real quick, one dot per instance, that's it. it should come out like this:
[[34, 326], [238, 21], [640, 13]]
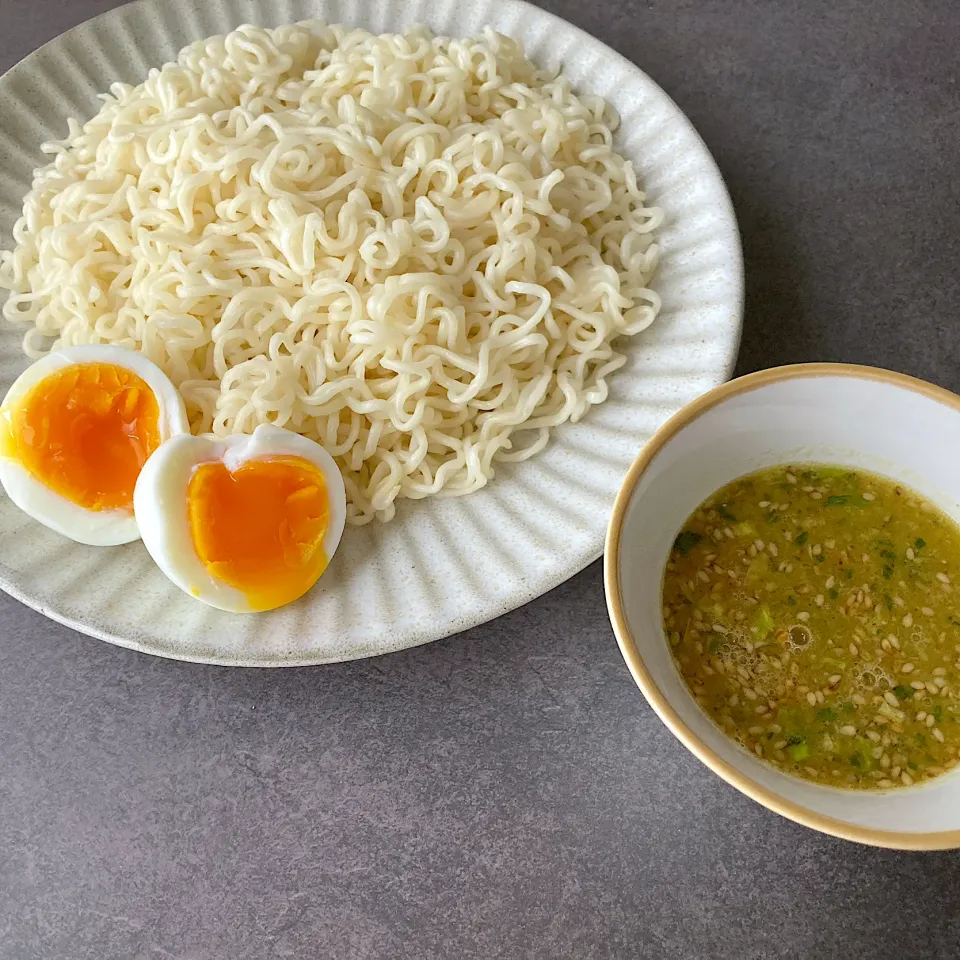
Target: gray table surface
[[507, 792]]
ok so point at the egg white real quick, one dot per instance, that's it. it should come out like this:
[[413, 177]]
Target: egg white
[[160, 503], [94, 527]]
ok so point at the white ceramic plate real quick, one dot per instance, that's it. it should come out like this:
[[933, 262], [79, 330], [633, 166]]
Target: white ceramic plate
[[440, 566]]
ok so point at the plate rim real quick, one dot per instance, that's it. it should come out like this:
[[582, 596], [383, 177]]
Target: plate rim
[[725, 212]]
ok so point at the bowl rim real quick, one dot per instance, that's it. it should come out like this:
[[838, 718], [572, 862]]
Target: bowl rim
[[891, 839]]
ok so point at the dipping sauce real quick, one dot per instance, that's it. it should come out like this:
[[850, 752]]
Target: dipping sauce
[[812, 612]]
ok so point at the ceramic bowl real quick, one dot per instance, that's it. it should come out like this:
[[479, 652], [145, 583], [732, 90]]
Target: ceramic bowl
[[830, 413]]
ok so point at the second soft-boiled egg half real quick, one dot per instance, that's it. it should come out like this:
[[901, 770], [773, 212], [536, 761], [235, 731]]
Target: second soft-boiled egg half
[[75, 430], [246, 523]]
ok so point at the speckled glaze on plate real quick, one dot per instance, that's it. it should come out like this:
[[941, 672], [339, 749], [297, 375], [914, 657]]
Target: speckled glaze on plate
[[440, 566]]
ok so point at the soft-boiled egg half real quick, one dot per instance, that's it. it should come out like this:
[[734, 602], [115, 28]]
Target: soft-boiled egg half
[[246, 523], [75, 430]]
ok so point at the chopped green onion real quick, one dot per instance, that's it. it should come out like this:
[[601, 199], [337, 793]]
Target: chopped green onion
[[826, 715], [763, 622], [686, 541], [902, 692], [919, 543], [801, 538]]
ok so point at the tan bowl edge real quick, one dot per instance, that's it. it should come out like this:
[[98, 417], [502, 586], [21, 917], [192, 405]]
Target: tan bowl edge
[[943, 840]]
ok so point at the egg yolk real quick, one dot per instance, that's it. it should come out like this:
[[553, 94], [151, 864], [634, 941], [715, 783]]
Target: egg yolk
[[260, 528], [84, 432]]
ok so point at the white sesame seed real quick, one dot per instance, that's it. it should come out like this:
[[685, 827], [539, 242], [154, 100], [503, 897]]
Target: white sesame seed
[[816, 549], [907, 668], [854, 649], [937, 735], [830, 582], [910, 554], [906, 779], [943, 578], [812, 699], [939, 682], [703, 575], [818, 599], [926, 611], [894, 642], [848, 731], [865, 558], [898, 601], [816, 496], [873, 735], [791, 478], [808, 489], [869, 496], [772, 547], [918, 685], [803, 616], [836, 678], [907, 620], [931, 720], [939, 672]]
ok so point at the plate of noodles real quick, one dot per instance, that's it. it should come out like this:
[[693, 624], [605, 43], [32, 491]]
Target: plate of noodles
[[469, 250]]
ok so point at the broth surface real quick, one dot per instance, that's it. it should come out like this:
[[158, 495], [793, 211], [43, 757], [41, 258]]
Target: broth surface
[[812, 612]]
